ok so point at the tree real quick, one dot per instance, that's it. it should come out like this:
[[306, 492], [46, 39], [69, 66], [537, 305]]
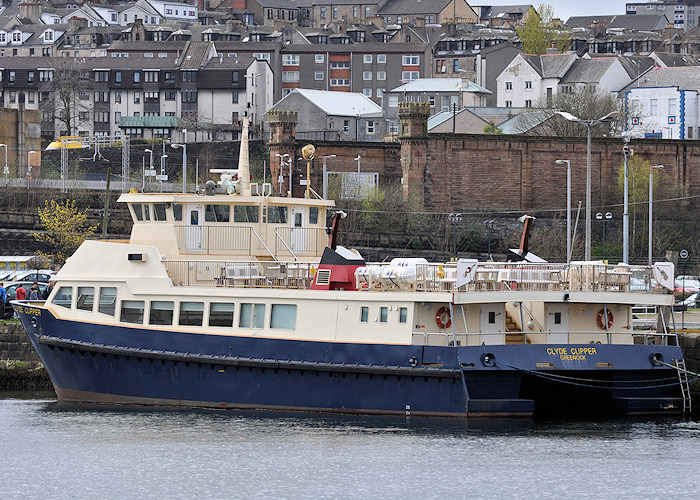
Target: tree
[[584, 104], [65, 229], [491, 128], [69, 102], [539, 32]]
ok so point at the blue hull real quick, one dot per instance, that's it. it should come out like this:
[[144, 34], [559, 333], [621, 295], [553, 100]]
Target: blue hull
[[115, 364]]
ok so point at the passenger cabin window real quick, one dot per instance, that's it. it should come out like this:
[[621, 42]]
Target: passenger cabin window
[[138, 211], [177, 212], [221, 314], [313, 215], [252, 316], [403, 315], [277, 215], [191, 313], [108, 300], [159, 211], [243, 213], [283, 316], [147, 212], [383, 314], [161, 312], [216, 213], [364, 314], [86, 298], [64, 297], [132, 311]]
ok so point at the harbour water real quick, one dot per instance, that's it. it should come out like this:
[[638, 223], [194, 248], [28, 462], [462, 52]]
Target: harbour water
[[51, 450]]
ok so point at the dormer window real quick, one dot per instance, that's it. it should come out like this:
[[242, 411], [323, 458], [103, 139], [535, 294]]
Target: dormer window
[[48, 36], [17, 36]]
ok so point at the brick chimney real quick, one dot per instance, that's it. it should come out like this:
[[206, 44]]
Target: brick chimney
[[30, 10]]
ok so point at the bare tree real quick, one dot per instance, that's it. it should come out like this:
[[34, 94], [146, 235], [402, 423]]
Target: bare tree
[[70, 95]]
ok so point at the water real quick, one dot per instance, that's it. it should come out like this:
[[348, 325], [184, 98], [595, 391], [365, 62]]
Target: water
[[50, 450]]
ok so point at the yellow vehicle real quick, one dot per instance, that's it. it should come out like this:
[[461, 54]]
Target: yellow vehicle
[[74, 143]]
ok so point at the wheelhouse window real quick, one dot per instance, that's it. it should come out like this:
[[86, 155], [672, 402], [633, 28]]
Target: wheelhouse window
[[86, 298], [245, 213], [177, 212], [283, 316], [138, 211], [159, 211], [132, 311], [161, 312], [313, 215], [221, 314], [252, 315], [277, 215], [108, 300], [191, 313], [64, 297], [216, 213]]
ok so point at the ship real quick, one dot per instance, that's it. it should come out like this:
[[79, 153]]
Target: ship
[[233, 297]]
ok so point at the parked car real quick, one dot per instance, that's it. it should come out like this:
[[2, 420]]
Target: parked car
[[11, 293], [684, 305], [41, 275], [686, 286]]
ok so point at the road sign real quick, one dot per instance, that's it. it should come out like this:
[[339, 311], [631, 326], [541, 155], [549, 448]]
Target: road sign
[[684, 254]]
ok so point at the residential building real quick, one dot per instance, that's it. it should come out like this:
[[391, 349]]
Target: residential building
[[508, 16], [430, 12], [664, 102], [326, 115], [269, 12], [682, 13], [530, 79], [321, 13]]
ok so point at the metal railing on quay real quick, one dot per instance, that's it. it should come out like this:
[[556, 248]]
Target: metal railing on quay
[[241, 274]]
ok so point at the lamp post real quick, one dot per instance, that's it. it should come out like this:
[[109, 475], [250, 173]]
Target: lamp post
[[625, 213], [184, 164], [150, 166], [489, 225], [358, 175], [568, 207], [589, 124], [325, 176], [6, 170], [599, 216], [280, 178], [455, 219], [651, 203]]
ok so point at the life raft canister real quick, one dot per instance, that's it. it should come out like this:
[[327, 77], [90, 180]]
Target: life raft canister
[[601, 321], [443, 312]]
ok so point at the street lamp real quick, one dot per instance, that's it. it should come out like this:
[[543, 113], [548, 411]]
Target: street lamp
[[568, 207], [599, 216], [651, 205], [489, 225], [325, 176], [184, 164], [625, 213], [358, 175], [150, 167], [589, 124], [6, 170], [280, 178], [454, 219]]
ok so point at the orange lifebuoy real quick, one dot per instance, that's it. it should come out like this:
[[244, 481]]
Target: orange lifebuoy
[[601, 315], [442, 312]]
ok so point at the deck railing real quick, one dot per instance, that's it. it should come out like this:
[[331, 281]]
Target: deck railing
[[428, 277]]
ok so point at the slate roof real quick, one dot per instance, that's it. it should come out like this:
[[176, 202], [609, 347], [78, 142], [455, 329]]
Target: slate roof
[[639, 22], [504, 11], [524, 122], [340, 103], [588, 70], [277, 4], [685, 78], [677, 60], [550, 65], [411, 7]]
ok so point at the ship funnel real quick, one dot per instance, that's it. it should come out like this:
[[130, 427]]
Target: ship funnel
[[244, 162]]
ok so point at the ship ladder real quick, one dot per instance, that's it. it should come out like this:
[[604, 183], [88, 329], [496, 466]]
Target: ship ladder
[[685, 385]]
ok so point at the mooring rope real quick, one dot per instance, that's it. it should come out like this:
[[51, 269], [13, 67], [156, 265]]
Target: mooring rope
[[678, 368]]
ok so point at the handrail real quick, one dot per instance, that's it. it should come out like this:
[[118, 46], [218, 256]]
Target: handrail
[[286, 246], [263, 244], [529, 313]]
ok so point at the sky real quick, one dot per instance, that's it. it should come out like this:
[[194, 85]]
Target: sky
[[564, 9]]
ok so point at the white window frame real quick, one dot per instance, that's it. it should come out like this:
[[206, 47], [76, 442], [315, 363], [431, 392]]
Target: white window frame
[[367, 58], [367, 76], [319, 58]]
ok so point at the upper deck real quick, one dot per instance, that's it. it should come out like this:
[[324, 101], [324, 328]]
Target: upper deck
[[227, 226]]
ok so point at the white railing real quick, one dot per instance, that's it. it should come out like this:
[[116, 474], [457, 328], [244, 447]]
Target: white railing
[[241, 274]]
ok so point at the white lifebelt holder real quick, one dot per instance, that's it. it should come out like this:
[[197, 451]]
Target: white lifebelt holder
[[601, 321], [443, 312]]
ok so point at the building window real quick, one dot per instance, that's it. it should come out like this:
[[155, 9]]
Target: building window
[[101, 76], [381, 75], [189, 96], [137, 97], [367, 59], [11, 77], [455, 65], [509, 85], [117, 116], [117, 97], [407, 76], [234, 78], [13, 96], [370, 127], [381, 58], [340, 82], [137, 77], [367, 92], [528, 84], [150, 76], [323, 13], [235, 97], [319, 58], [318, 75], [290, 76], [367, 11], [189, 76], [118, 77], [528, 103], [169, 95], [440, 66], [335, 12], [367, 75], [672, 108], [509, 104], [653, 106], [410, 60], [290, 60]]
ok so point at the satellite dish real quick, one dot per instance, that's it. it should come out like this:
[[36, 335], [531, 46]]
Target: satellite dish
[[308, 152]]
